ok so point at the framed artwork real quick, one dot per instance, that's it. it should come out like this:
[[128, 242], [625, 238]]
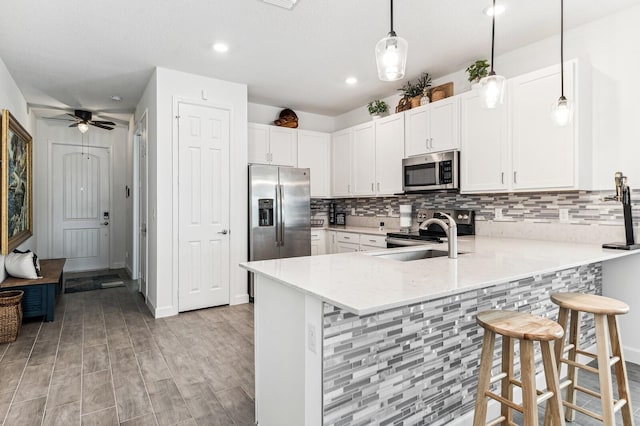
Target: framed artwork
[[16, 215]]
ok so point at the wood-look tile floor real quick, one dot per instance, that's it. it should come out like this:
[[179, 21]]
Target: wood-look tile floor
[[106, 361]]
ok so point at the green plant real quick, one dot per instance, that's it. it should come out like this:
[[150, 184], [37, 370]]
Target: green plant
[[411, 90], [478, 70], [377, 107]]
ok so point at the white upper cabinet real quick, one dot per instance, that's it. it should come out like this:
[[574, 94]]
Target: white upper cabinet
[[363, 161], [314, 152], [518, 147], [433, 127], [484, 150], [258, 137], [341, 163], [544, 155], [272, 145], [389, 154]]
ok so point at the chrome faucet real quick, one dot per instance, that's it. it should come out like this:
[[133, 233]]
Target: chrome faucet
[[450, 229]]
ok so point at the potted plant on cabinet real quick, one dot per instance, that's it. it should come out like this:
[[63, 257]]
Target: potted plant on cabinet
[[478, 70], [413, 92], [377, 108]]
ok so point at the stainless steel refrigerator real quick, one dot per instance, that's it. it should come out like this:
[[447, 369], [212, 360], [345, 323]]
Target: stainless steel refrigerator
[[280, 213]]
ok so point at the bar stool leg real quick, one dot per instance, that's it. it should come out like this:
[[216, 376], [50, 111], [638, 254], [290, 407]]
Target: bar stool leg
[[507, 387], [572, 371], [620, 370], [604, 370], [563, 316], [528, 379], [486, 361], [553, 412]]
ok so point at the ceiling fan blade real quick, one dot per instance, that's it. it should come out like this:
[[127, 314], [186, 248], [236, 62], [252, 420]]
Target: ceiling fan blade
[[106, 123], [74, 117], [74, 125], [58, 119], [100, 126]]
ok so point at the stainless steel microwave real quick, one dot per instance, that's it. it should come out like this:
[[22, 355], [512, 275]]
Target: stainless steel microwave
[[430, 172]]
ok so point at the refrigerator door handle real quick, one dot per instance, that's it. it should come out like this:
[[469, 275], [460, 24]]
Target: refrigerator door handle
[[281, 216], [278, 215]]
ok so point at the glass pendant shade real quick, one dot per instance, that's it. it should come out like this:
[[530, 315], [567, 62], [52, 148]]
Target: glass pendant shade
[[562, 111], [83, 127], [492, 90], [391, 57]]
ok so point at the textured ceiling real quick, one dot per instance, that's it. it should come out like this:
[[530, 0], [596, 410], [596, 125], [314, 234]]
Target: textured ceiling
[[77, 53]]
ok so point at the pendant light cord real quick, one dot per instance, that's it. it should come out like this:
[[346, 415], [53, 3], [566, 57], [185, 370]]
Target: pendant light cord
[[493, 33], [562, 49], [392, 32]]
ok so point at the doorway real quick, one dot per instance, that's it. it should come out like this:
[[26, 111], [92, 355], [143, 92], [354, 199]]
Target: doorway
[[79, 191], [140, 205], [203, 206]]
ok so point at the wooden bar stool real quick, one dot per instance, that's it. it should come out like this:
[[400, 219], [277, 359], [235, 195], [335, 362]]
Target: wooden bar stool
[[605, 311], [527, 329]]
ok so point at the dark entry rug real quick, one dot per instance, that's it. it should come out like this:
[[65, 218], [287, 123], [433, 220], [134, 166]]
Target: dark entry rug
[[97, 281]]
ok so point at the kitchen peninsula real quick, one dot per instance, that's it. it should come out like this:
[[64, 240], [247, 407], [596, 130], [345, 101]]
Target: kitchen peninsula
[[357, 338]]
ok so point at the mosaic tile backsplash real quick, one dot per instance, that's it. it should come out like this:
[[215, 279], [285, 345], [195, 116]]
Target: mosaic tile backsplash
[[584, 207], [418, 364]]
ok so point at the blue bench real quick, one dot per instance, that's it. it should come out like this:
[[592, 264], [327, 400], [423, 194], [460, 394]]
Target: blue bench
[[39, 298]]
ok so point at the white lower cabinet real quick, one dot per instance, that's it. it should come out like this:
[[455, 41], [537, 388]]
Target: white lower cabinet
[[318, 242], [372, 242], [331, 242], [347, 247]]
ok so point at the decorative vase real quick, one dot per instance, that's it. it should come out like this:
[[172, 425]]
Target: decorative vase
[[415, 101], [375, 116], [424, 100]]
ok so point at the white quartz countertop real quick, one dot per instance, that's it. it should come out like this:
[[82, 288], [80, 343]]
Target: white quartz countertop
[[363, 283], [359, 229]]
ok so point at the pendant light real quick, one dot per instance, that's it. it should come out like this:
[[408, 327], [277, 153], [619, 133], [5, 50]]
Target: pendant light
[[391, 55], [562, 109], [492, 86]]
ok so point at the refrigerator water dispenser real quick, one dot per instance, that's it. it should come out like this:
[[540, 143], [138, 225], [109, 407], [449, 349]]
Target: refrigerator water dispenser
[[265, 212]]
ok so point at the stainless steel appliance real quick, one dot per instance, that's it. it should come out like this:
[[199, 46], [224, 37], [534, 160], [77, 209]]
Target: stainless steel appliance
[[465, 221], [431, 172], [280, 213]]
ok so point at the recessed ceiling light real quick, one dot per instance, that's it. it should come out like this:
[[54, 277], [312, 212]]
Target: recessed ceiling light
[[220, 47], [351, 80], [489, 10], [116, 98]]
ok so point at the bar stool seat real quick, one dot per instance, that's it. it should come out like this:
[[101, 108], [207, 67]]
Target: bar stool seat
[[527, 329], [605, 311]]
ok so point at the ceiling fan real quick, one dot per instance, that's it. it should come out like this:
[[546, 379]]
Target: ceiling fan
[[83, 120]]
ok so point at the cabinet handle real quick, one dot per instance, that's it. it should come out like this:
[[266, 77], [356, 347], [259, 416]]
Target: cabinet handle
[[431, 143], [515, 177], [347, 238], [426, 143], [502, 178], [378, 186], [371, 186], [372, 241], [348, 188]]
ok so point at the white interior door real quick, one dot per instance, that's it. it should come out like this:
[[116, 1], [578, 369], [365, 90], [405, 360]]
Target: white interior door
[[79, 195], [142, 206], [203, 182]]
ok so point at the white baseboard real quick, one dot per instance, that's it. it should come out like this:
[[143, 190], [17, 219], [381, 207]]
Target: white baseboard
[[631, 354], [493, 409], [240, 299], [163, 312]]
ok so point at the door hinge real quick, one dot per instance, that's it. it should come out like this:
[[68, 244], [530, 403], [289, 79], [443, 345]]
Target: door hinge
[[177, 116]]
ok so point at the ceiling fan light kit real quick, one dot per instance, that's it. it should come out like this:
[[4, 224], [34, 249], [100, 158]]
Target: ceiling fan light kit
[[83, 127], [391, 55], [562, 109], [492, 86]]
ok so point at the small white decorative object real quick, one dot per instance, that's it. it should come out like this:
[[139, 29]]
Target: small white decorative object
[[405, 217]]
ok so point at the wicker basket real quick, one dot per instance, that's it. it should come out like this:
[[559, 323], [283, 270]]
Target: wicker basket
[[10, 315]]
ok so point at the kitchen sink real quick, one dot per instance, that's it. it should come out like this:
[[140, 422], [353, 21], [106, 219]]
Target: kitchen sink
[[407, 256]]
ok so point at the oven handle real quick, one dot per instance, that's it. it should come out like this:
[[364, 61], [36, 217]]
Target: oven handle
[[405, 242]]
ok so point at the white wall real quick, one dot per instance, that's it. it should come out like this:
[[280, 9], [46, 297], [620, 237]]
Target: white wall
[[610, 46], [170, 87], [11, 98], [50, 131], [266, 114]]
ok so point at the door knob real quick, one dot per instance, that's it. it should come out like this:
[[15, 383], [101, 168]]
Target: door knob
[[105, 223], [223, 232]]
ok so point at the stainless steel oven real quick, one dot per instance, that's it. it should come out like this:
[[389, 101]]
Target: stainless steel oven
[[430, 172]]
